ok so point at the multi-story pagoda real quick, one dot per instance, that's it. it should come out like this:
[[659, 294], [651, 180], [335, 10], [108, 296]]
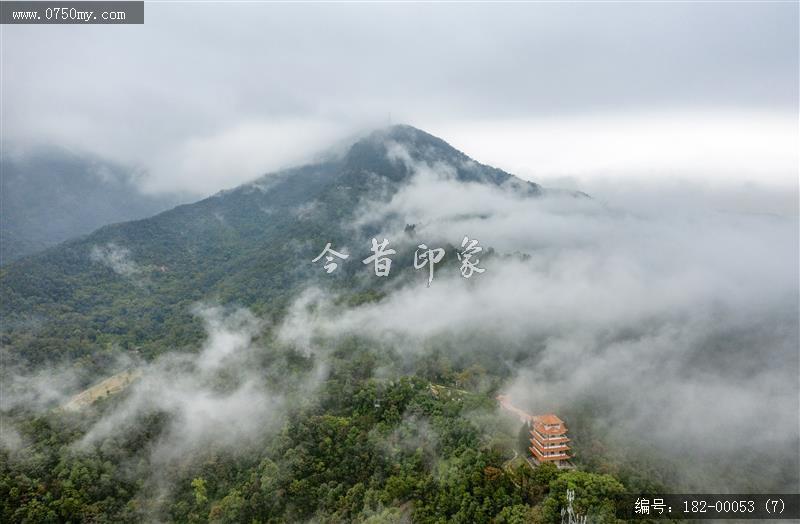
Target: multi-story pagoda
[[549, 440], [548, 435]]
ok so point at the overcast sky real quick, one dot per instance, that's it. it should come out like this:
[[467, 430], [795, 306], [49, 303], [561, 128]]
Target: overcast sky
[[207, 95]]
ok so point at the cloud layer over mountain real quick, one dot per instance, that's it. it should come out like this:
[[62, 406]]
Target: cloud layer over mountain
[[536, 89], [679, 323]]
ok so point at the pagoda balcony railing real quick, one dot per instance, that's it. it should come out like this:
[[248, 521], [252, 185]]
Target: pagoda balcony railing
[[552, 456], [552, 446], [550, 437]]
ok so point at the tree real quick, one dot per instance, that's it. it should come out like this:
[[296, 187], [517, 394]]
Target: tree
[[200, 495], [594, 496]]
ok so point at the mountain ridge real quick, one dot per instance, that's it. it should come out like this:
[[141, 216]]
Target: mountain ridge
[[51, 194], [132, 284]]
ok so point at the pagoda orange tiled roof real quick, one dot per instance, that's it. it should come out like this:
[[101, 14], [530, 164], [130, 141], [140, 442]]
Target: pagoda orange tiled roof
[[544, 430], [550, 419]]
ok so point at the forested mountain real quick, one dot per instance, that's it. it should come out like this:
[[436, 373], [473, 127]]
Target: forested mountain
[[250, 245], [49, 195], [234, 379]]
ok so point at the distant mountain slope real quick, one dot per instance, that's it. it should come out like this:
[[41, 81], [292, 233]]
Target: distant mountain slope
[[131, 285], [49, 195]]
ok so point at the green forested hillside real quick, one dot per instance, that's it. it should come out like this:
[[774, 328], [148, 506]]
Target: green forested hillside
[[359, 449], [243, 409], [251, 245], [365, 450], [49, 195]]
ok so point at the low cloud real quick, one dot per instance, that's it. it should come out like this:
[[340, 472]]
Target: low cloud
[[550, 89], [116, 258], [216, 399], [679, 320], [713, 145], [204, 164], [38, 390]]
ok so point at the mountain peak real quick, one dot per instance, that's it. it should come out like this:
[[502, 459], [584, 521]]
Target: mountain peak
[[407, 134], [392, 151], [411, 138]]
